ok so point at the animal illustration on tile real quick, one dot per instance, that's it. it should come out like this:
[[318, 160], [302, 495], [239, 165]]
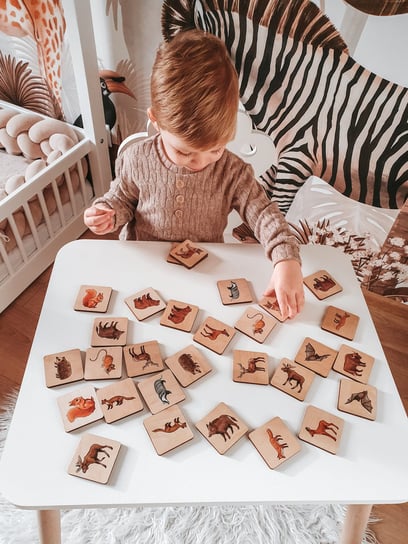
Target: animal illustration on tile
[[222, 425], [92, 457], [117, 400], [188, 364], [171, 427], [92, 298], [234, 290], [324, 428], [324, 283], [340, 320], [293, 376], [81, 407], [161, 390], [252, 366], [143, 355], [107, 361], [277, 444], [212, 333], [259, 325], [312, 355], [353, 364], [178, 314], [63, 368], [109, 331], [145, 301], [363, 398], [188, 251]]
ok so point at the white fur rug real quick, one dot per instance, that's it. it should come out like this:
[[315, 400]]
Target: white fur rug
[[307, 524]]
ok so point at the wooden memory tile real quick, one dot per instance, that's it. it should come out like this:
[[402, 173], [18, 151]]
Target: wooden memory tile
[[110, 331], [222, 428], [250, 367], [161, 391], [322, 284], [179, 315], [94, 458], [168, 429], [119, 400], [293, 379], [340, 322], [188, 253], [63, 367], [214, 335], [143, 358], [103, 363], [188, 365], [321, 429], [316, 356], [357, 399], [353, 363], [93, 298], [270, 305], [79, 408], [235, 291], [275, 442], [145, 303], [255, 324], [171, 259]]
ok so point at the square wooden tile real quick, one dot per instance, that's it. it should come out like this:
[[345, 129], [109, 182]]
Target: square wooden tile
[[145, 303], [119, 400], [357, 399], [188, 365], [93, 298], [293, 379], [250, 367], [316, 356], [110, 331], [235, 291], [161, 391], [103, 363], [322, 284], [188, 253], [321, 429], [171, 259], [143, 358], [214, 335], [179, 315], [354, 363], [94, 458], [168, 429], [270, 305], [275, 442], [340, 322], [255, 324], [63, 367], [222, 428], [79, 408]]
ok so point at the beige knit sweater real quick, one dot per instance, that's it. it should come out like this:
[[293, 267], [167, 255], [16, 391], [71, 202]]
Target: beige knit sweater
[[157, 200]]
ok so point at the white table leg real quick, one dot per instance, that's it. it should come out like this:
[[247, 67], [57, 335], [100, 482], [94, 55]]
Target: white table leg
[[49, 526], [355, 523]]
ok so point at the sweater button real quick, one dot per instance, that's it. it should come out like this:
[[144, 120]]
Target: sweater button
[[180, 199], [178, 213], [179, 183]]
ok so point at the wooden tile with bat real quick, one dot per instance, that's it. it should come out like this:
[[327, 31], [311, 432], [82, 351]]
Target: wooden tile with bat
[[322, 284], [293, 379], [179, 315], [94, 458], [250, 367], [145, 303], [255, 324], [321, 429], [119, 400], [79, 408], [161, 391], [188, 253], [111, 331], [63, 367], [222, 428], [353, 363], [143, 358], [270, 305], [340, 322], [188, 365], [316, 356], [103, 363], [214, 335], [93, 298], [235, 291], [357, 399], [275, 442], [168, 429]]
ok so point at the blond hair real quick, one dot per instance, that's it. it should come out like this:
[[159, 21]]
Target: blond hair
[[194, 89]]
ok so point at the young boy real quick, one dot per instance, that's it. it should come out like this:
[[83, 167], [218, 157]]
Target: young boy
[[182, 183]]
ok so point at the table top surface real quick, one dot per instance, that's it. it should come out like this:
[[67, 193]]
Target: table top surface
[[369, 467]]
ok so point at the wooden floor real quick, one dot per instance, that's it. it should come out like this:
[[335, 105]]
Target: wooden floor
[[18, 323]]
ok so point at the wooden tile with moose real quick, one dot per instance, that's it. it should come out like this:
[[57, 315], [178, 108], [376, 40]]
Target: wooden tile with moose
[[321, 429], [179, 315], [63, 367], [235, 291], [119, 400], [161, 391], [275, 442], [188, 365], [357, 399], [94, 458], [353, 363], [255, 324], [143, 358], [103, 363], [293, 379], [316, 356], [79, 408], [322, 284], [340, 322], [222, 428], [188, 253], [214, 335], [250, 367], [270, 305], [93, 298], [145, 303], [110, 331], [168, 429]]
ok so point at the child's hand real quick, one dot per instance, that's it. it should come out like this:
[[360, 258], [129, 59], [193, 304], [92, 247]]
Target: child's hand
[[286, 284], [100, 219]]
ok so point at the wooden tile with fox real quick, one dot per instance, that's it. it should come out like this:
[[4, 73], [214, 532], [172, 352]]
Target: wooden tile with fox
[[119, 400], [168, 429]]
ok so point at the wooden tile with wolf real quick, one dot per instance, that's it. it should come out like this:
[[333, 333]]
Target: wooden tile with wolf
[[93, 298]]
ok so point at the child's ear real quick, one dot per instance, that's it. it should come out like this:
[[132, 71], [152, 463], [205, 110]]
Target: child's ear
[[152, 118]]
